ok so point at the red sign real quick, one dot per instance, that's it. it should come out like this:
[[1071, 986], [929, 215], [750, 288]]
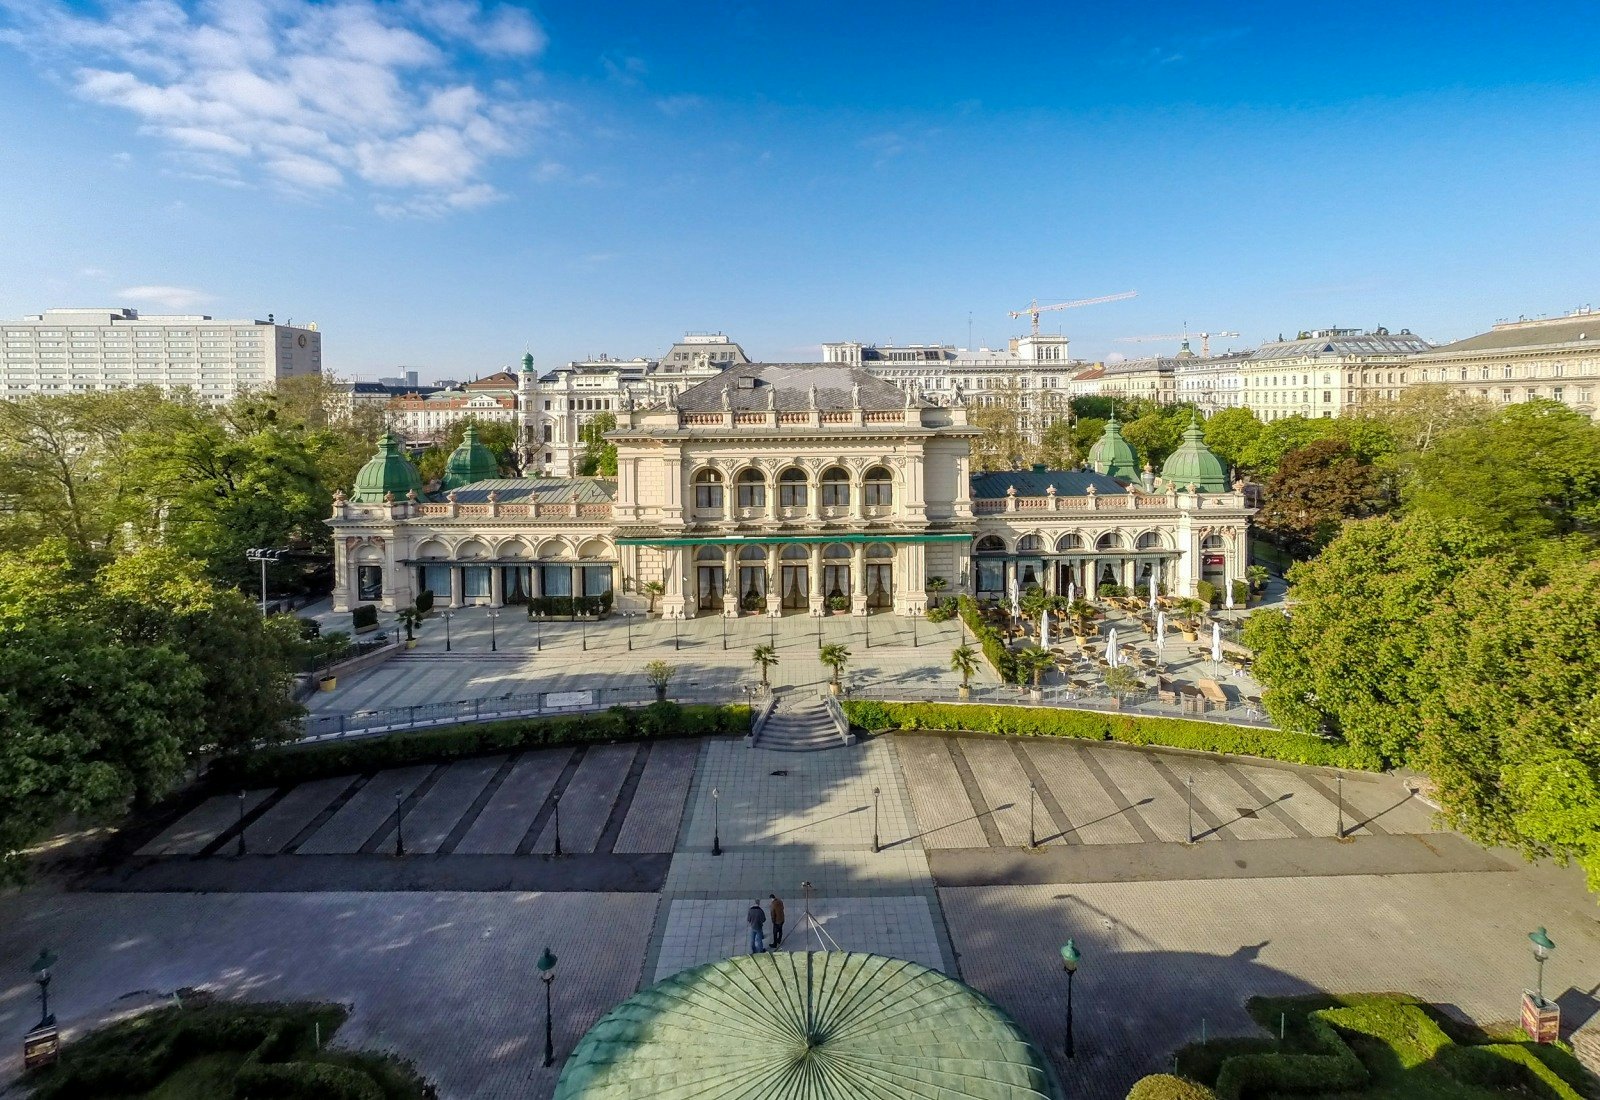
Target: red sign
[[1214, 559]]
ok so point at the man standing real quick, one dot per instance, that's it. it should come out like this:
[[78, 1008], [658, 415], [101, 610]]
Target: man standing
[[776, 907], [757, 918]]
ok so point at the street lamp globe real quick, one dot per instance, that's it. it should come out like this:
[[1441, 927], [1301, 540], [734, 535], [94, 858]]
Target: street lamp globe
[[47, 959], [1542, 944], [547, 965], [1069, 957]]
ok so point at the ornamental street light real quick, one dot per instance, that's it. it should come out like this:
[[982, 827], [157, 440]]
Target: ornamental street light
[[1542, 946], [675, 619], [627, 622], [41, 974], [913, 630], [494, 640], [241, 823], [724, 630], [538, 633], [1033, 794], [819, 630], [555, 804], [716, 822], [447, 631], [1189, 783], [1069, 963], [1339, 783], [875, 819], [547, 974], [583, 633], [772, 630], [400, 822]]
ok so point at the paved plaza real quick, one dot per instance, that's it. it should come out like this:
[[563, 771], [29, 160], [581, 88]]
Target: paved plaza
[[433, 950]]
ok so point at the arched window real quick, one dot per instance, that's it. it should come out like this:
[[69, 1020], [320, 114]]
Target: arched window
[[792, 489], [836, 571], [795, 551], [1111, 540], [752, 489], [708, 489], [835, 488], [877, 488], [708, 553], [1072, 541], [1030, 544], [752, 553], [991, 544], [1150, 540], [1214, 542]]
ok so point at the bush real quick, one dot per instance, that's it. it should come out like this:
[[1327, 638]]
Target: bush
[[304, 1081], [994, 647], [839, 603], [1164, 1086], [292, 764], [1112, 590], [1508, 1068], [425, 601], [1094, 726], [364, 615], [1241, 593], [1335, 1069], [1206, 593]]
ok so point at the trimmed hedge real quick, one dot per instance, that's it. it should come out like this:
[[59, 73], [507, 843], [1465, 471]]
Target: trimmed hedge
[[1335, 1069], [1087, 725], [304, 1081], [1506, 1067], [364, 615], [1164, 1086], [993, 645], [298, 764]]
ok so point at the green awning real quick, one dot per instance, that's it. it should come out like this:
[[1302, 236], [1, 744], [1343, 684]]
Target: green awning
[[823, 1025], [743, 540]]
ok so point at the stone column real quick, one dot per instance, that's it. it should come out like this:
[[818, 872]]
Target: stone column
[[341, 577], [774, 579], [732, 597], [815, 571], [858, 579], [497, 586], [673, 604], [457, 585]]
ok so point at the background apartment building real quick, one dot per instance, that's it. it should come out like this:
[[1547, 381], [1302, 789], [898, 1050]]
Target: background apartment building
[[1556, 357], [63, 351], [1325, 372]]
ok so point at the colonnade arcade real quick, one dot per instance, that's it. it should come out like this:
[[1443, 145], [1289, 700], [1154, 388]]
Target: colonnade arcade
[[1085, 560], [513, 571]]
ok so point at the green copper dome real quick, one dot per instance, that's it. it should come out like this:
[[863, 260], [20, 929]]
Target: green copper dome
[[822, 1025], [470, 462], [1194, 464], [388, 471], [527, 361], [1111, 455]]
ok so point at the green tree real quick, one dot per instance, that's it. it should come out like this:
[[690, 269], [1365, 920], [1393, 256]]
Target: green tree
[[1122, 681], [599, 454], [964, 659], [1058, 449], [1085, 434], [1004, 444], [1230, 433], [1528, 473], [499, 436], [1154, 436], [1318, 487], [834, 656], [1033, 663], [765, 656], [1279, 437]]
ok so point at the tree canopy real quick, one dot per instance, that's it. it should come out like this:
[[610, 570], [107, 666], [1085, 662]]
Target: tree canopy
[[599, 454], [1318, 487]]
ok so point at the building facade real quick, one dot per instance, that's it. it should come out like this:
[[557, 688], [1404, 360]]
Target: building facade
[[63, 351], [786, 489], [1556, 358], [1328, 372]]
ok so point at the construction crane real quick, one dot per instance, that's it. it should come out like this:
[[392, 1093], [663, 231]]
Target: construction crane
[[1033, 308], [1205, 338]]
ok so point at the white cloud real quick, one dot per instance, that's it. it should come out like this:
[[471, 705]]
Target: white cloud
[[674, 105], [168, 297], [305, 94]]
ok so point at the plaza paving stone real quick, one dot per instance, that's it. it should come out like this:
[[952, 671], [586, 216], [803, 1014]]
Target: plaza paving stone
[[430, 821], [201, 825], [657, 812], [1005, 790], [369, 808], [945, 818], [511, 811], [587, 801], [1093, 816], [288, 817]]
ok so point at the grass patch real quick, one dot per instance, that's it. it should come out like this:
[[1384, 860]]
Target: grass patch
[[211, 1050], [1383, 1046]]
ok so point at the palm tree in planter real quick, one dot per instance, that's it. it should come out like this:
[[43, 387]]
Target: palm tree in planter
[[652, 589], [660, 674], [411, 619], [1120, 681], [964, 659], [1191, 609], [937, 585], [1033, 662], [1257, 576], [765, 656], [835, 656], [1082, 614]]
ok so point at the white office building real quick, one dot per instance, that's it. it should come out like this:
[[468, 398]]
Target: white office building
[[62, 351]]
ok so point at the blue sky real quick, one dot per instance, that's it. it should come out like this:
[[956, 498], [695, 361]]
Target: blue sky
[[445, 183]]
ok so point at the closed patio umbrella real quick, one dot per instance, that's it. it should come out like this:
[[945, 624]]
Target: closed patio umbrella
[[1044, 630], [1216, 642], [1111, 649]]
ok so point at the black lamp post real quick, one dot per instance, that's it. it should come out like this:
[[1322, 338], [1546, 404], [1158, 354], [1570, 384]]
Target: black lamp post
[[675, 619], [866, 625], [400, 822], [1542, 946], [538, 633], [241, 823], [547, 975], [1033, 837], [41, 974], [1189, 783], [819, 630], [583, 633], [914, 642], [1339, 783], [875, 819], [716, 822], [627, 620], [555, 802], [494, 639], [724, 630], [1069, 963], [447, 631]]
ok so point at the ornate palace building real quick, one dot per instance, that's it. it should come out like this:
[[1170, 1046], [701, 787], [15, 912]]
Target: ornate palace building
[[786, 489]]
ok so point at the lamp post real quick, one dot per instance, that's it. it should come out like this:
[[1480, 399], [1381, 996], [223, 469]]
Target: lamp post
[[447, 631], [241, 823], [494, 639], [583, 633], [1033, 793], [263, 556], [1542, 946], [400, 822], [772, 630], [41, 974], [675, 620], [724, 630], [866, 626], [1069, 963], [538, 633], [914, 642], [819, 630], [547, 975], [716, 822], [1189, 783], [627, 621], [555, 803], [875, 844], [1339, 784]]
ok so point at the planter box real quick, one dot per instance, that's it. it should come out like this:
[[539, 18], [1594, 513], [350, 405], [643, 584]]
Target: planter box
[[327, 683]]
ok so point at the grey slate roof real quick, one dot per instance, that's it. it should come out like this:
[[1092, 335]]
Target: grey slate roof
[[1036, 483], [539, 490], [1365, 343], [749, 384], [1569, 331]]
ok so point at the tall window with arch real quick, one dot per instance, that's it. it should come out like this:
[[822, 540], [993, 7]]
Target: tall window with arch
[[752, 489], [835, 488], [792, 489], [708, 489]]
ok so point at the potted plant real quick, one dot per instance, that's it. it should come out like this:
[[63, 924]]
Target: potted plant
[[364, 618], [936, 585], [411, 619], [1033, 662], [964, 659], [835, 656], [652, 589], [753, 601], [765, 656], [1257, 575], [838, 604], [660, 674], [1191, 609], [1120, 681], [425, 601]]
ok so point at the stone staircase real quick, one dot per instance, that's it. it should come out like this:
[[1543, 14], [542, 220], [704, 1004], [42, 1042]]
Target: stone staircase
[[799, 723]]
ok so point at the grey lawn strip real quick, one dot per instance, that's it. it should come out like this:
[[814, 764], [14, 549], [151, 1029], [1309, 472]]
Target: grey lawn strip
[[359, 818], [504, 821], [632, 873], [653, 818], [1406, 854], [587, 801], [191, 833], [1090, 811], [435, 814], [273, 830]]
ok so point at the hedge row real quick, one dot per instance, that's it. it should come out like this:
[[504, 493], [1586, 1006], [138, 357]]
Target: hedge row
[[304, 1081], [1335, 1069], [1164, 1086], [989, 640], [298, 764], [1506, 1068], [1087, 725]]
